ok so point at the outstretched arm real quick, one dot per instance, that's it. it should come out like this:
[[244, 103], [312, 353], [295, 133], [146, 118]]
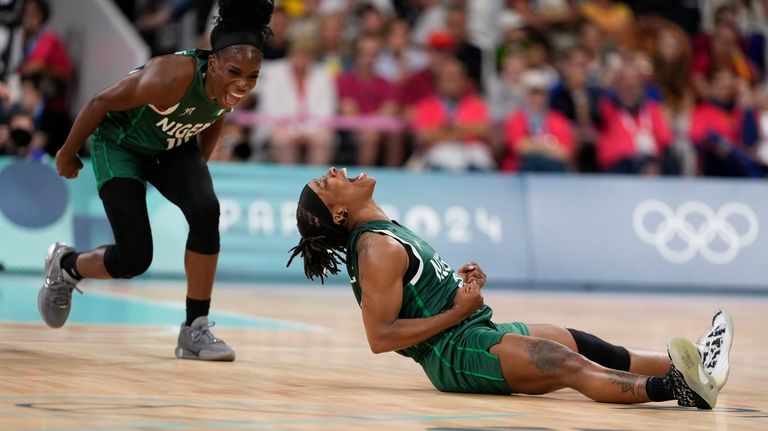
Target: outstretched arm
[[383, 262], [161, 83]]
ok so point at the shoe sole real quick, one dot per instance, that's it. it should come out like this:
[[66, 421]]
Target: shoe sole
[[725, 351], [687, 359], [186, 354]]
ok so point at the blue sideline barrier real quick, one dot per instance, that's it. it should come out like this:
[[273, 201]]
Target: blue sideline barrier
[[524, 230]]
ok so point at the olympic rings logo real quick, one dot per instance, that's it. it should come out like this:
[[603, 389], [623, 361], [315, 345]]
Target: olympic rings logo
[[696, 239]]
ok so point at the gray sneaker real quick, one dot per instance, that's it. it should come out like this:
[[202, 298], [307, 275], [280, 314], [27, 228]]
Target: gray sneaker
[[715, 347], [197, 342], [55, 297], [691, 385]]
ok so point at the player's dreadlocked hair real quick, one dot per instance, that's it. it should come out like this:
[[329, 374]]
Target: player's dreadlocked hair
[[242, 22], [323, 244]]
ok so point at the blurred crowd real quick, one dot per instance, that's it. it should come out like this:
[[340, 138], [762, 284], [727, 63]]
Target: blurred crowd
[[36, 75], [646, 87]]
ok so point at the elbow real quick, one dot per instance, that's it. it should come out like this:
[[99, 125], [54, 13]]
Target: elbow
[[379, 345]]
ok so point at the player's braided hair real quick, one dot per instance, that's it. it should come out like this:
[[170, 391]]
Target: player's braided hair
[[242, 22], [322, 247]]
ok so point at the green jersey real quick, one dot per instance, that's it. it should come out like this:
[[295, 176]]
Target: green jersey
[[430, 285], [151, 130]]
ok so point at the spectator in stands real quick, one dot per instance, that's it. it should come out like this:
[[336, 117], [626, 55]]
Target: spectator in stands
[[10, 19], [452, 128], [613, 18], [506, 92], [333, 52], [468, 54], [544, 15], [276, 45], [537, 137], [26, 143], [174, 11], [45, 55], [514, 35], [635, 136], [371, 19], [421, 84], [53, 124], [298, 97], [539, 55], [579, 101], [599, 53], [430, 18], [363, 93], [725, 131], [399, 57], [723, 50], [233, 144], [671, 68]]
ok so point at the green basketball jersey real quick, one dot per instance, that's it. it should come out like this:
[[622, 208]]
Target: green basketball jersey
[[148, 129], [430, 290]]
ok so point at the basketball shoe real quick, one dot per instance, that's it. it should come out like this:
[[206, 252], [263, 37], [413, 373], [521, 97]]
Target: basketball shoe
[[691, 385], [715, 347], [197, 342], [55, 297]]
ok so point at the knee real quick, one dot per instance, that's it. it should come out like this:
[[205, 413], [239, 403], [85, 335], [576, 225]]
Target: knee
[[555, 359], [127, 263], [203, 217]]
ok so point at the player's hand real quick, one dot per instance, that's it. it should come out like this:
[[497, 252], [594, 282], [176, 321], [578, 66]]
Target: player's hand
[[68, 165], [472, 272], [467, 300]]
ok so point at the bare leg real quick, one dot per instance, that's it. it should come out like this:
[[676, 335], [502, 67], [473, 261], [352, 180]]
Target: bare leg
[[90, 264], [320, 147], [394, 149], [643, 362], [537, 366], [367, 147], [283, 146], [201, 271]]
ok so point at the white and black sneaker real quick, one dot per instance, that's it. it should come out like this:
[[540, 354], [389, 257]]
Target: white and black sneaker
[[691, 385], [715, 347]]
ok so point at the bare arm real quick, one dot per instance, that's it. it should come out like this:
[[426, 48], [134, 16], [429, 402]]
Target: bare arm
[[383, 262], [162, 83], [208, 138]]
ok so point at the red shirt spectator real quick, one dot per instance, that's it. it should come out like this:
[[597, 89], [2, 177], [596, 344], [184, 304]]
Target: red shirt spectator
[[555, 128], [626, 135], [432, 113], [47, 53], [369, 94]]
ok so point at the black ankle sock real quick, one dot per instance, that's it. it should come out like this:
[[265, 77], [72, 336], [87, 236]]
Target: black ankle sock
[[658, 389], [196, 308], [69, 264]]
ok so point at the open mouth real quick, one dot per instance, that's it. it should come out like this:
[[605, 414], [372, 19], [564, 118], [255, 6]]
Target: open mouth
[[232, 99], [361, 175]]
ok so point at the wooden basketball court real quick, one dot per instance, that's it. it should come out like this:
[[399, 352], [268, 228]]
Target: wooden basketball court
[[303, 363]]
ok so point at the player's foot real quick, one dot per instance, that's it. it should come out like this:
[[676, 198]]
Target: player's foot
[[55, 297], [691, 385], [715, 347], [197, 342]]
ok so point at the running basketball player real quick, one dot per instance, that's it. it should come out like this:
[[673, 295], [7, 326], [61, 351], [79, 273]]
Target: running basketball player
[[415, 304], [159, 124]]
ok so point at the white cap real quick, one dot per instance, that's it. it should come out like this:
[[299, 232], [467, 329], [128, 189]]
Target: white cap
[[510, 20], [536, 80]]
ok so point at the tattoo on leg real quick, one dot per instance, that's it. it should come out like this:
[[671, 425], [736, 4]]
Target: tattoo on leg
[[627, 382], [546, 355]]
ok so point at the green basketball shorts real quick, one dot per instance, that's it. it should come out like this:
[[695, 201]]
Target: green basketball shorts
[[460, 361]]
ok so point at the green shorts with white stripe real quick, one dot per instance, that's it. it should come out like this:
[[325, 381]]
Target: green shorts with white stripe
[[460, 360]]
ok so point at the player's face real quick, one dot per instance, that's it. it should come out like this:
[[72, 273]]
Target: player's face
[[335, 187], [233, 73]]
